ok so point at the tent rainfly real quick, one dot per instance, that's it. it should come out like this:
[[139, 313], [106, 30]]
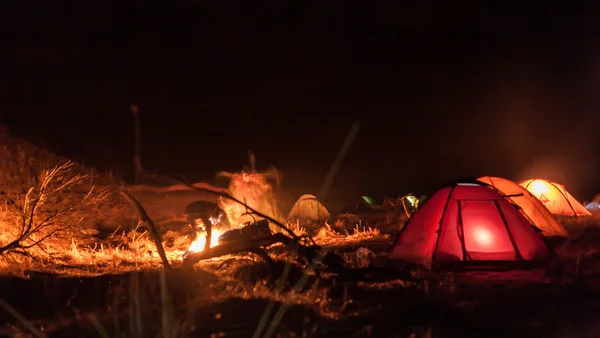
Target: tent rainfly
[[555, 197], [468, 223], [308, 208], [530, 205]]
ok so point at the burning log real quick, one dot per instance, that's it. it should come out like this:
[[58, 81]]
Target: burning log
[[307, 252], [233, 248], [257, 230]]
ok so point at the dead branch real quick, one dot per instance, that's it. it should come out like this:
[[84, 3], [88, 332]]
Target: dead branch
[[151, 226]]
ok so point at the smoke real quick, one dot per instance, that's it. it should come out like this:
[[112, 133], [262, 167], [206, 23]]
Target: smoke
[[539, 125], [552, 167], [255, 190], [574, 167]]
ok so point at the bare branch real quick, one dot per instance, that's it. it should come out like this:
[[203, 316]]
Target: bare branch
[[47, 206]]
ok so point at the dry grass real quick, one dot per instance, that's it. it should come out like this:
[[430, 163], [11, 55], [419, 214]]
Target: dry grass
[[57, 215], [242, 279], [124, 252], [327, 236], [217, 300], [134, 250]]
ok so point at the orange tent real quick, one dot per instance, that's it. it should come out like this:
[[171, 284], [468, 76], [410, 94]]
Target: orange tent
[[530, 206], [555, 197], [468, 223]]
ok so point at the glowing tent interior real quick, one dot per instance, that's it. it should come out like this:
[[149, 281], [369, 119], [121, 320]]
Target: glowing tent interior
[[467, 222], [530, 205], [308, 208], [555, 197]]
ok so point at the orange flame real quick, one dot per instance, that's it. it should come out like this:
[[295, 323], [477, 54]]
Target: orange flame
[[200, 242]]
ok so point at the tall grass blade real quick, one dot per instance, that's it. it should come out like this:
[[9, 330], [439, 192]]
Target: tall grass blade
[[285, 306], [167, 311], [137, 306], [36, 332], [271, 305], [335, 166], [98, 326]]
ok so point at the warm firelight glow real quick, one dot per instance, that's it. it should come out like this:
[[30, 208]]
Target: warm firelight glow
[[483, 236], [198, 244], [539, 187]]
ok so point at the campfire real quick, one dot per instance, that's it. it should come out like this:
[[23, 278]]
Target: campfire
[[252, 188], [200, 242]]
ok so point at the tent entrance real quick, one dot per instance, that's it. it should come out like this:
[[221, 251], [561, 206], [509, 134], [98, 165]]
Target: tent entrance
[[476, 230]]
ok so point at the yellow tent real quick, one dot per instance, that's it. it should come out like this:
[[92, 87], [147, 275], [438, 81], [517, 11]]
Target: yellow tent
[[308, 209], [537, 213], [555, 197]]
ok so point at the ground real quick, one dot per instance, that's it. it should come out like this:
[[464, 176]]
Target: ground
[[101, 276], [561, 300]]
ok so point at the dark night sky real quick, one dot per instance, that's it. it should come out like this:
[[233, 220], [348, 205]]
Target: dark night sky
[[441, 90]]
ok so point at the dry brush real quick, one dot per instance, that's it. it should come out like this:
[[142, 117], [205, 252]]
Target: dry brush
[[52, 205]]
